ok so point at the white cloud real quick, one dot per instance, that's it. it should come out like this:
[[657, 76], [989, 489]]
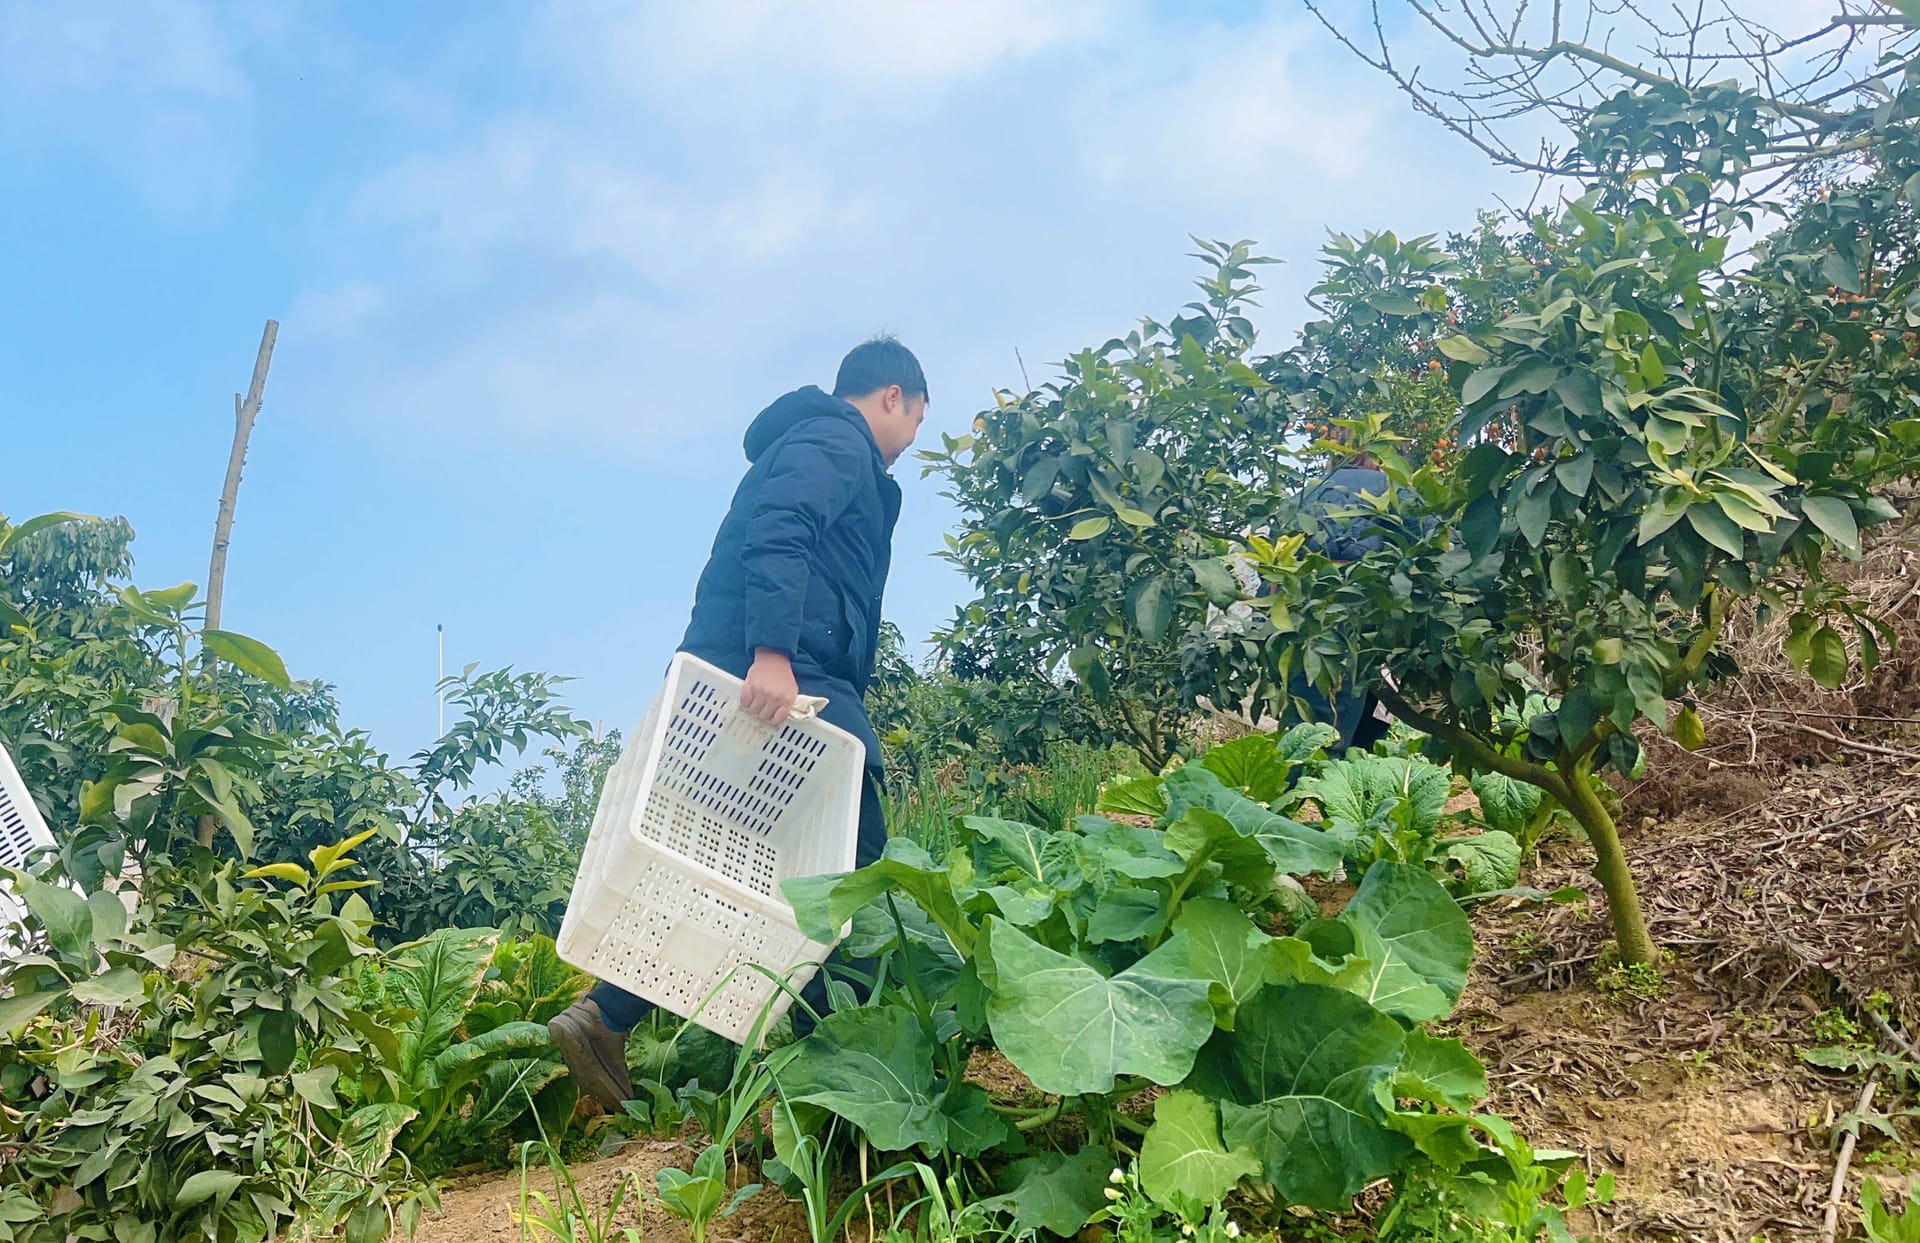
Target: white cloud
[[813, 49], [336, 313], [1227, 111], [132, 47]]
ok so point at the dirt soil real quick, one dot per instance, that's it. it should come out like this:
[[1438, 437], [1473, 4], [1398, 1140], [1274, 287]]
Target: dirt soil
[[485, 1208]]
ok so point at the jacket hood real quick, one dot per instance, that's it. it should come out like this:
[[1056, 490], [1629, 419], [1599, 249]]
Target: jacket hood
[[788, 412]]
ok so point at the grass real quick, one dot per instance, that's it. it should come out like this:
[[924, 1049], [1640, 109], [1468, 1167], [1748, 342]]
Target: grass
[[925, 805]]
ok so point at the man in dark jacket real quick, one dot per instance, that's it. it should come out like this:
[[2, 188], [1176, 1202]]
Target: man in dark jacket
[[1338, 522], [790, 602]]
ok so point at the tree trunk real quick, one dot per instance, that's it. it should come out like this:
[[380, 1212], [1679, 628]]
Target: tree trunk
[[245, 411], [1623, 900]]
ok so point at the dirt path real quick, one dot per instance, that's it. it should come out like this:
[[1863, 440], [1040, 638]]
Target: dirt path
[[489, 1208]]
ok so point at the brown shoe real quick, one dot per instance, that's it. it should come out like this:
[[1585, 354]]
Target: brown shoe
[[595, 1054]]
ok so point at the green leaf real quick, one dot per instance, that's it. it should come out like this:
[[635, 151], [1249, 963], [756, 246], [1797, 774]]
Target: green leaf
[[64, 915], [1073, 1031], [23, 1007], [208, 1185], [1089, 528], [1040, 479], [1153, 609], [1834, 517], [461, 1063], [1535, 375], [1488, 861], [1055, 1192], [973, 1128], [1296, 1083], [1183, 1164], [248, 655], [1480, 384], [1217, 941], [12, 535], [1216, 580], [109, 916], [1829, 658], [1508, 805], [1575, 473], [1294, 848], [874, 1067], [1322, 953], [1688, 730], [1716, 528], [822, 905], [1652, 370], [1202, 837], [1839, 270], [690, 1197], [367, 1223], [1251, 765], [436, 979], [278, 1040], [292, 873], [1532, 512], [1462, 349], [1415, 938], [316, 1087], [1136, 796], [118, 986], [1579, 392], [1440, 1071]]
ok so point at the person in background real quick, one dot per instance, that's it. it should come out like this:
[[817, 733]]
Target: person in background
[[790, 602], [1340, 523]]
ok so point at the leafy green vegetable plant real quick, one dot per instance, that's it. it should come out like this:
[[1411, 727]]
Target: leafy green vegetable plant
[[1102, 959]]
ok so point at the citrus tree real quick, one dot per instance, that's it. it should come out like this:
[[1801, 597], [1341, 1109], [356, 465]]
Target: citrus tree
[[1690, 436], [1099, 509]]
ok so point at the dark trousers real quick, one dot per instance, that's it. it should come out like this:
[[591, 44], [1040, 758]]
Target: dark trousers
[[623, 1011], [1350, 712]]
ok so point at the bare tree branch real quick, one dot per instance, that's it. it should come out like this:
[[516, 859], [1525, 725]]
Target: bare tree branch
[[1517, 63]]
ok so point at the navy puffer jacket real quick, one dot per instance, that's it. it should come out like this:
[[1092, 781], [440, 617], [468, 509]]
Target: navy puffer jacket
[[1357, 530], [801, 559]]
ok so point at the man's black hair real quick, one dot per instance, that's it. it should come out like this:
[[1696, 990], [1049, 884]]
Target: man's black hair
[[877, 364]]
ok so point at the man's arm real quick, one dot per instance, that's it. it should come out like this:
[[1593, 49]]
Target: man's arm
[[814, 476]]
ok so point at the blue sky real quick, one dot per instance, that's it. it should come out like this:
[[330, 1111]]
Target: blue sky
[[537, 265]]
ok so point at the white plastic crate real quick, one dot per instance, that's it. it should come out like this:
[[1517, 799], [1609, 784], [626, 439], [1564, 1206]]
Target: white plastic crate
[[706, 812], [22, 831]]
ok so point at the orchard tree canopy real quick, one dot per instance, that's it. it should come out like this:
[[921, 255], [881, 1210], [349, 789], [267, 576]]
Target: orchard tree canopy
[[1603, 427]]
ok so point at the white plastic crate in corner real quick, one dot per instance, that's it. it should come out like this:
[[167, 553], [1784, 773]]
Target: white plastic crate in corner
[[703, 816], [22, 831]]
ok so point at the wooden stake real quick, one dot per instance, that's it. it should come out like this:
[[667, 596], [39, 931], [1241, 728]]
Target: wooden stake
[[245, 411], [1830, 1228]]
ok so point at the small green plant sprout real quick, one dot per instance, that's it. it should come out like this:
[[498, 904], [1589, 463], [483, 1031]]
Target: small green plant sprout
[[700, 1198], [1832, 1027], [565, 1216], [1637, 980], [1137, 1217]]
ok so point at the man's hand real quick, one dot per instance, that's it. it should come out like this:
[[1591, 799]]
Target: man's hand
[[770, 689]]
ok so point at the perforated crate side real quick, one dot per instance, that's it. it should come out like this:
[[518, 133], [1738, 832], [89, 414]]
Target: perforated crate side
[[701, 818]]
